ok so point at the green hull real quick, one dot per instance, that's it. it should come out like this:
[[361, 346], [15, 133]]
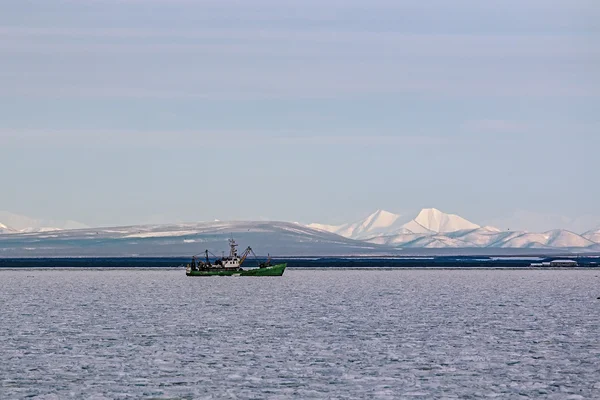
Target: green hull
[[275, 270]]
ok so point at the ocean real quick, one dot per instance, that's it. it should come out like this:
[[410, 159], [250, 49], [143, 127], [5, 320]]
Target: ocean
[[319, 333]]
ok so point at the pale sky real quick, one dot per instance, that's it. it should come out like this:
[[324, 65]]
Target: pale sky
[[128, 111]]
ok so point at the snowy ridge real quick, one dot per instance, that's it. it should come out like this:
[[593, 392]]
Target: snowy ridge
[[385, 223], [565, 238], [39, 230], [484, 238], [558, 238], [378, 223], [22, 223], [5, 229], [437, 221], [593, 235], [432, 228], [438, 242]]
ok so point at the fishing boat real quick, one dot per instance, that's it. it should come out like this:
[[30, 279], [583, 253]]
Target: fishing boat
[[231, 265]]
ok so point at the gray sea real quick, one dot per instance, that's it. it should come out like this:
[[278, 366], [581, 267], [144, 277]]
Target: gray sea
[[323, 334]]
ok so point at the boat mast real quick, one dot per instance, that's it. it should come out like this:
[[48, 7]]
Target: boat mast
[[232, 248]]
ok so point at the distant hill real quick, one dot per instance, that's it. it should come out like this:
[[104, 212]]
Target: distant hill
[[18, 222], [280, 238]]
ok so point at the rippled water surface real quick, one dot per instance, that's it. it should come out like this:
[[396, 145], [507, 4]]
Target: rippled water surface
[[309, 334]]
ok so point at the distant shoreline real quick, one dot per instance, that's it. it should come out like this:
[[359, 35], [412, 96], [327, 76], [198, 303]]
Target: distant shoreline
[[491, 268]]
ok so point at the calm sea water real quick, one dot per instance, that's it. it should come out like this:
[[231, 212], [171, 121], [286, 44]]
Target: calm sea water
[[309, 334]]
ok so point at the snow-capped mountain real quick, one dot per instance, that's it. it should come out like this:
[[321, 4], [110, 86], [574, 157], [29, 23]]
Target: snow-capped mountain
[[593, 235], [565, 238], [558, 238], [5, 229], [432, 228], [481, 237], [385, 223], [379, 223], [22, 223], [487, 238], [436, 221]]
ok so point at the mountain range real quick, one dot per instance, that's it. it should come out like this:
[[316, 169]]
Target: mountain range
[[380, 233], [280, 238], [432, 228], [384, 223]]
